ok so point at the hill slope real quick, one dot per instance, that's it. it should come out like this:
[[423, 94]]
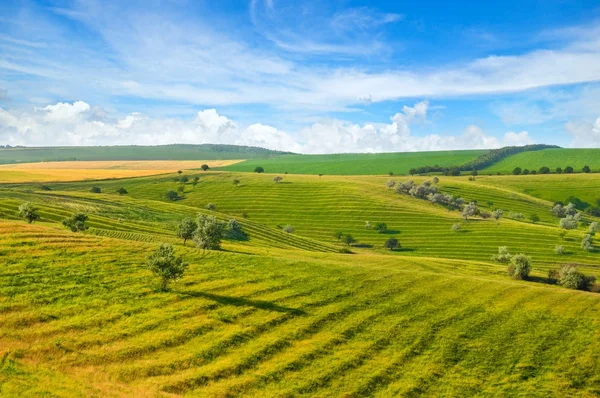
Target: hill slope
[[552, 158]]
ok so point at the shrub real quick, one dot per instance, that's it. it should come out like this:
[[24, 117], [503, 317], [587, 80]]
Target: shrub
[[204, 167], [456, 227], [289, 229], [186, 229], [29, 212], [436, 180], [164, 264], [45, 188], [345, 250], [122, 191], [485, 215], [559, 170], [381, 227], [235, 230], [209, 232], [405, 187], [181, 188], [526, 172], [587, 243], [195, 180], [520, 266], [392, 243], [184, 179], [368, 225], [559, 249], [259, 169], [179, 171], [76, 223], [95, 190], [503, 255], [516, 216], [211, 206], [339, 235], [172, 195], [569, 276]]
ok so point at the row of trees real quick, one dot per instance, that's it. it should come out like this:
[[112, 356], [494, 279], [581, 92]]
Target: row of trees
[[546, 170], [207, 231], [120, 191]]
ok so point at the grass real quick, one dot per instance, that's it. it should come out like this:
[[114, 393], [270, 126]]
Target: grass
[[355, 164], [285, 314], [552, 158]]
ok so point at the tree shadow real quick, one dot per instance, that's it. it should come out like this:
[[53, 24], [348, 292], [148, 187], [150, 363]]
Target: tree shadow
[[390, 232], [362, 245], [405, 249], [244, 302]]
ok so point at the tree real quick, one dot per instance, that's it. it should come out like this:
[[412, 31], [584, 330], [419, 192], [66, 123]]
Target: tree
[[497, 214], [569, 222], [544, 170], [526, 172], [122, 191], [381, 227], [349, 239], [277, 179], [559, 170], [259, 169], [211, 206], [181, 188], [586, 169], [195, 180], [520, 266], [503, 255], [569, 170], [95, 190], [289, 229], [235, 230], [184, 179], [391, 173], [534, 218], [179, 171], [405, 187], [368, 225], [474, 173], [515, 216], [559, 249], [236, 182], [517, 171], [186, 229], [436, 180], [172, 195], [164, 264], [209, 232], [569, 276], [456, 227], [29, 212], [587, 243], [594, 227], [392, 243], [204, 167], [469, 210], [339, 235], [76, 222], [412, 171], [390, 184]]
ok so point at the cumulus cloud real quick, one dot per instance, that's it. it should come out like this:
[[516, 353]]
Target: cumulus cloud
[[585, 134], [78, 123]]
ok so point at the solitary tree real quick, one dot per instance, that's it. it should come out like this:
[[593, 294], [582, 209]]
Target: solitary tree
[[122, 191], [277, 179], [520, 266], [259, 169], [391, 173], [381, 227], [392, 243], [186, 229], [209, 232], [95, 190], [586, 169], [469, 210], [349, 239], [204, 167], [236, 182], [76, 222], [172, 195], [164, 264], [29, 212]]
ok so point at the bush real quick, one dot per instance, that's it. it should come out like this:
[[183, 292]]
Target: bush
[[339, 235], [569, 276], [289, 229], [436, 180], [76, 223], [470, 210], [520, 266], [45, 188], [503, 255], [485, 215], [95, 190], [345, 250], [259, 169], [526, 172], [184, 179], [456, 227], [122, 191], [559, 170], [392, 243], [29, 212], [594, 227], [195, 180], [559, 249], [516, 216], [211, 206], [381, 227], [236, 182], [164, 264], [368, 225], [497, 214], [209, 232]]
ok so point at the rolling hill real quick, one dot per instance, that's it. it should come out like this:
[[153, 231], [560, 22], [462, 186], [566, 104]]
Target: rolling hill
[[552, 158]]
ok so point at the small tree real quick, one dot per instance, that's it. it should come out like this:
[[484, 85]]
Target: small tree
[[179, 172], [586, 169], [204, 167], [569, 170], [391, 173], [368, 225], [497, 214], [569, 222], [76, 223], [211, 206], [186, 229], [339, 235], [559, 249], [289, 229], [436, 180], [29, 212], [412, 171], [277, 179], [95, 190], [381, 227], [122, 191], [195, 180], [184, 179], [520, 266], [181, 188], [470, 210], [349, 239], [456, 227], [534, 218], [517, 171], [236, 182], [587, 243], [485, 214], [209, 232], [569, 276], [559, 170], [594, 227], [172, 195], [259, 169], [392, 243], [390, 184], [503, 255], [164, 264], [526, 172], [234, 230], [544, 170]]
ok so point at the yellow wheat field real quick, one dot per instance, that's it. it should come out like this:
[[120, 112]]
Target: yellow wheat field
[[95, 170]]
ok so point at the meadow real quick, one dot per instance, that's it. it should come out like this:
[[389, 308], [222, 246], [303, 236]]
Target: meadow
[[287, 314], [552, 158]]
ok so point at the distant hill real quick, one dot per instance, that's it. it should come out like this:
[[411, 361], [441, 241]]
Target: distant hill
[[133, 152]]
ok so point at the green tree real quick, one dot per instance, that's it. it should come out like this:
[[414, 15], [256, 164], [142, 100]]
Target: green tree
[[569, 170], [569, 276], [204, 167], [381, 227], [277, 179], [29, 212], [559, 170], [534, 218], [179, 171], [586, 169], [122, 191], [470, 210], [349, 239], [172, 195], [259, 169], [209, 233], [236, 182], [497, 214], [544, 170], [339, 235], [587, 243], [186, 229], [164, 264], [390, 184], [184, 179], [195, 180], [95, 190], [76, 223], [520, 266], [392, 243], [517, 171]]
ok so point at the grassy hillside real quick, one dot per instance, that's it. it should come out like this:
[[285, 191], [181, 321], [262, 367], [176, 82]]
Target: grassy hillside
[[552, 158], [355, 164], [161, 152], [282, 314]]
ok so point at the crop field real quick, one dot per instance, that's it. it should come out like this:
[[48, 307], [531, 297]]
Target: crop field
[[552, 158], [289, 314], [356, 164]]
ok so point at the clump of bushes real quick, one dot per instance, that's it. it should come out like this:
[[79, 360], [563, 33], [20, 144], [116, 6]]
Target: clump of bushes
[[381, 227], [569, 276]]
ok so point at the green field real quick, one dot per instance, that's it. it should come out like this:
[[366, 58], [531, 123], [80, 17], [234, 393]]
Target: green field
[[552, 158], [356, 164], [161, 152], [284, 314]]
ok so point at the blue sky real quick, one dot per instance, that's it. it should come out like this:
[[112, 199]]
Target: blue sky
[[306, 76]]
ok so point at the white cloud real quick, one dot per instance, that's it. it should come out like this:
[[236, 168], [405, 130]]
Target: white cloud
[[80, 124], [585, 134]]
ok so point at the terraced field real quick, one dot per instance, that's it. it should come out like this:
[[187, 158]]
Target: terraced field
[[283, 314]]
